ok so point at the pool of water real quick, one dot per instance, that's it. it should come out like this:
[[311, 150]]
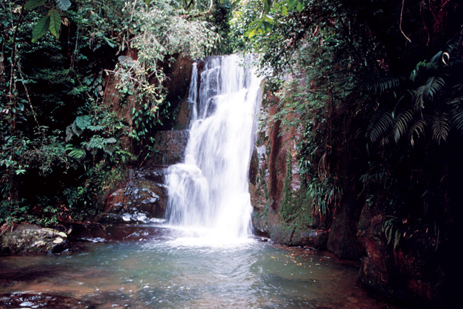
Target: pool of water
[[175, 271]]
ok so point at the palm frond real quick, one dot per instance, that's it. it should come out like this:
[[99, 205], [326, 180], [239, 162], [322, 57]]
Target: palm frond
[[435, 60], [417, 130], [386, 84], [401, 124], [428, 92], [457, 120], [381, 125], [440, 126], [455, 100]]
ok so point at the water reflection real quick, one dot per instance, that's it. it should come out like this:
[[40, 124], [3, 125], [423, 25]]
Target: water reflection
[[185, 273]]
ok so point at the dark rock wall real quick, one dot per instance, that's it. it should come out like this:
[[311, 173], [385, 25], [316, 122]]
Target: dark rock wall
[[142, 195], [413, 273]]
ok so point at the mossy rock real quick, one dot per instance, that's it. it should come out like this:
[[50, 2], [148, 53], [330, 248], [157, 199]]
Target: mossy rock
[[32, 239]]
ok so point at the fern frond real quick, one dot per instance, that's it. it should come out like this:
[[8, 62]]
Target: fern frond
[[457, 100], [417, 130], [440, 126], [428, 92], [434, 62], [386, 84], [457, 120], [382, 126], [401, 124], [75, 152]]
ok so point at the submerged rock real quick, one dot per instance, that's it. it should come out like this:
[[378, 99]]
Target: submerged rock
[[29, 300], [32, 239]]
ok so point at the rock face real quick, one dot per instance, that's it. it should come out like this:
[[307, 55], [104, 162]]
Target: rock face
[[409, 272], [32, 239], [140, 199], [142, 196], [169, 147], [273, 159]]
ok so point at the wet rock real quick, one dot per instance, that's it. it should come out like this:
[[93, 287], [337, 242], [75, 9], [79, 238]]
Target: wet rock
[[28, 300], [267, 174], [269, 225], [142, 198], [411, 272], [169, 148], [32, 239], [92, 232], [343, 240], [177, 82]]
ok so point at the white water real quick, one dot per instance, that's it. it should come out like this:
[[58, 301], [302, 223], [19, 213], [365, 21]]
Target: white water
[[209, 192]]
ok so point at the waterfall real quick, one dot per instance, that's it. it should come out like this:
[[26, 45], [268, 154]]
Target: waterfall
[[210, 188]]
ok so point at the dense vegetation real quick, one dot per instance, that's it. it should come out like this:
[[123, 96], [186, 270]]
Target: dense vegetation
[[377, 83], [384, 78], [373, 90], [63, 144]]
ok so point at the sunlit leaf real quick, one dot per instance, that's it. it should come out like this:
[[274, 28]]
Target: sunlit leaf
[[55, 23], [284, 11], [41, 28]]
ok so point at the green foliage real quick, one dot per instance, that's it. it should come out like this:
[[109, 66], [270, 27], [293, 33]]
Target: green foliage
[[50, 22], [60, 137], [296, 206], [41, 28], [393, 232], [352, 90], [32, 4], [424, 109]]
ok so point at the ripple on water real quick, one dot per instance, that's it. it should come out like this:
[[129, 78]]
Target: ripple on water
[[189, 273]]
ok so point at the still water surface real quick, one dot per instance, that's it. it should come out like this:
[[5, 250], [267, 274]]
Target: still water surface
[[172, 271]]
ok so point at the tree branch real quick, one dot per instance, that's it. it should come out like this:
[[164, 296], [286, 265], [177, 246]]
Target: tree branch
[[400, 23]]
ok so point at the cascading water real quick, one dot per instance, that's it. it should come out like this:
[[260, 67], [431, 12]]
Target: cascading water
[[210, 189]]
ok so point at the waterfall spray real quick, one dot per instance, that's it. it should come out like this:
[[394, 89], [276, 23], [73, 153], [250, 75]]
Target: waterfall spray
[[210, 188]]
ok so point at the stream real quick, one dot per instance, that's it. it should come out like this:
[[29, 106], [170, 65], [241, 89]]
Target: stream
[[156, 267], [204, 255]]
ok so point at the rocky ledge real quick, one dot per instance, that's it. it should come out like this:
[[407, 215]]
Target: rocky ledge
[[32, 239]]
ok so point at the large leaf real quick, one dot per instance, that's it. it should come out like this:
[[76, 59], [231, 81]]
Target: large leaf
[[41, 28], [83, 122], [55, 23], [63, 4], [428, 92], [32, 4], [401, 124], [381, 125], [457, 120], [440, 127], [417, 130]]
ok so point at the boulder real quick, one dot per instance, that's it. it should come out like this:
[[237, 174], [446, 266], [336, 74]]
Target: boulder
[[169, 148], [269, 225], [142, 198], [32, 239]]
